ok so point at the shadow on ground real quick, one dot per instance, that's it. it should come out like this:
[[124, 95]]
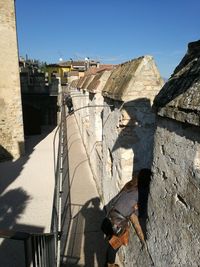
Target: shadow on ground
[[13, 204], [86, 236]]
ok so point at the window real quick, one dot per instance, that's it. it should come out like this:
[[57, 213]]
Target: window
[[65, 74]]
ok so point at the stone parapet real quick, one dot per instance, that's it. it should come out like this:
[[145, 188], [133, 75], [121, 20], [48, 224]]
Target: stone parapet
[[138, 77], [173, 208], [118, 128], [179, 98], [87, 81], [99, 81]]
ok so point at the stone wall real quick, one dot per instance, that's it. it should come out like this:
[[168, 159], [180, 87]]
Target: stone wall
[[94, 145], [11, 122], [137, 78], [174, 220], [89, 103], [128, 134], [123, 129], [172, 151], [124, 125], [129, 122], [174, 214]]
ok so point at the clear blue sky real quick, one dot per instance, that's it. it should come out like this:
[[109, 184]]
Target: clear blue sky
[[112, 31]]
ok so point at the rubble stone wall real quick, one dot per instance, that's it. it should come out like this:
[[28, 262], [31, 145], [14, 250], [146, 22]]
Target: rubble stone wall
[[128, 135], [174, 221], [94, 142], [11, 121], [129, 125], [124, 128], [173, 212]]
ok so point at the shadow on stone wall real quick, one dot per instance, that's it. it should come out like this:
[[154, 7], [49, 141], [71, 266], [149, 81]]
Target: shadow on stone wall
[[144, 179], [136, 136], [137, 133]]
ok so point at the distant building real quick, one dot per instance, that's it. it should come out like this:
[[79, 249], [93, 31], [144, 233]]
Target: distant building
[[39, 100], [66, 69], [59, 70], [93, 69], [79, 66], [32, 75], [73, 75]]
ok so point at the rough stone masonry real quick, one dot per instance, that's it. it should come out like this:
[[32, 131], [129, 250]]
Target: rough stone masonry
[[172, 223], [174, 211], [11, 122], [118, 134]]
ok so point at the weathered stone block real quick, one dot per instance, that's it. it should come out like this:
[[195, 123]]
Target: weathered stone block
[[12, 136], [173, 210]]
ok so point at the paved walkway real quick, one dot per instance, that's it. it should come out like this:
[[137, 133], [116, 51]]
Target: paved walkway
[[86, 245], [26, 198], [27, 187], [26, 193]]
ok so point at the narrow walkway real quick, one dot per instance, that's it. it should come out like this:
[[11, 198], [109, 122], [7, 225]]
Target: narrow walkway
[[26, 199], [26, 194], [27, 187], [86, 245]]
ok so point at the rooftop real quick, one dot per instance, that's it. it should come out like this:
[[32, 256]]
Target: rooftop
[[99, 81], [137, 77]]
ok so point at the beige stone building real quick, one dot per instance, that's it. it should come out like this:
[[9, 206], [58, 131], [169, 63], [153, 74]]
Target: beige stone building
[[11, 122]]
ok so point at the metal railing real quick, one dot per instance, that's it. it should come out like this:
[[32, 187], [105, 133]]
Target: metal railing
[[39, 249], [47, 249], [62, 200]]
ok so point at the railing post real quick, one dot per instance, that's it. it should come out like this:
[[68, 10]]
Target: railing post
[[28, 252], [60, 180]]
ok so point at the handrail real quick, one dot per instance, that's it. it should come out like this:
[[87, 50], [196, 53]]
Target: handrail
[[62, 199], [38, 247], [14, 235], [19, 235]]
